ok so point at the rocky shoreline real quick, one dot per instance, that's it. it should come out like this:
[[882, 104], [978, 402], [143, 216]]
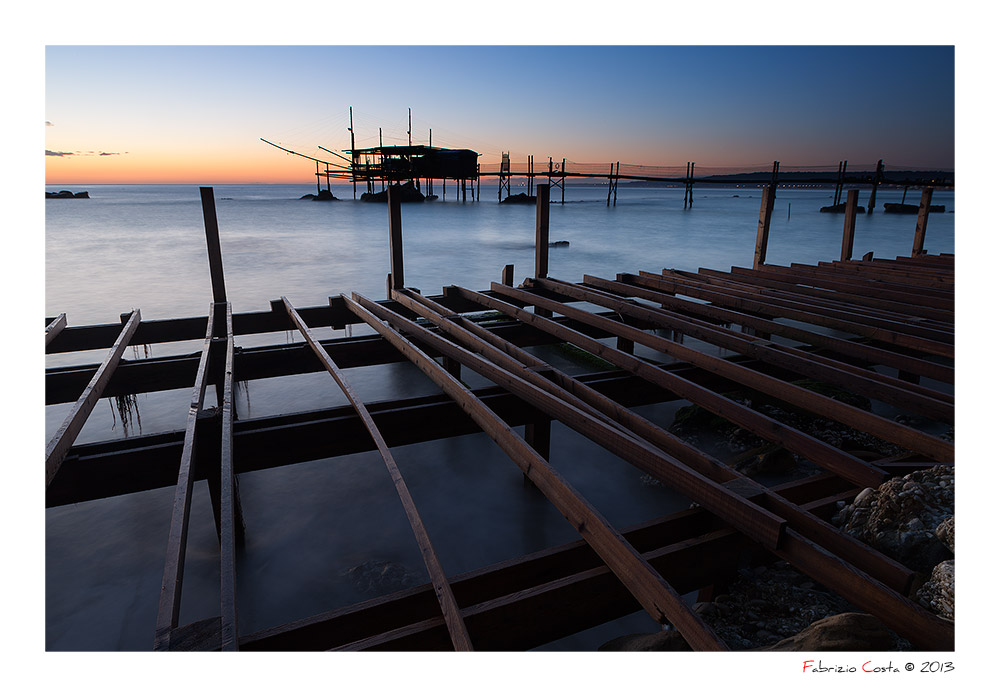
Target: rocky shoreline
[[910, 519]]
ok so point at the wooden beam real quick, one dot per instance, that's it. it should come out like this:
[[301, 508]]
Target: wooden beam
[[542, 231], [656, 596], [812, 448], [850, 215], [801, 397], [763, 226], [923, 213], [54, 327], [60, 443], [925, 401], [449, 608], [173, 571], [395, 238], [214, 248], [886, 332], [587, 399], [227, 543]]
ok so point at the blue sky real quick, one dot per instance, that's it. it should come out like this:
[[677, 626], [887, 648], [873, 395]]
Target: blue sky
[[662, 105]]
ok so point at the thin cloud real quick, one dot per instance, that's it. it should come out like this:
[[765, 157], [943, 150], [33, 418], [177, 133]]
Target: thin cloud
[[78, 153]]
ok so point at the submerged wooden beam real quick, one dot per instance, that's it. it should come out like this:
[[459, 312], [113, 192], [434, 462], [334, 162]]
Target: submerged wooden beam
[[656, 596], [60, 443], [446, 599], [173, 571]]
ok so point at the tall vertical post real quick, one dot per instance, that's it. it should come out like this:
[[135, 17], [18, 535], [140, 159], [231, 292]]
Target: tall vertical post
[[563, 187], [354, 157], [618, 168], [395, 239], [507, 275], [542, 232], [850, 214], [763, 226], [875, 183], [214, 249], [925, 209]]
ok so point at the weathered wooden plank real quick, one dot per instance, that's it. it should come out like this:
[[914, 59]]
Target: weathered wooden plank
[[173, 571], [212, 240], [886, 388], [657, 597], [60, 443], [449, 608], [765, 280], [838, 283], [571, 391], [800, 311], [227, 541], [817, 451], [850, 215], [748, 518], [763, 226], [801, 397], [723, 300], [54, 328]]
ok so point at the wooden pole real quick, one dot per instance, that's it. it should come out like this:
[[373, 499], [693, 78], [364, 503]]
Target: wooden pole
[[542, 231], [507, 275], [921, 231], [875, 183], [850, 215], [763, 225], [395, 238], [214, 249]]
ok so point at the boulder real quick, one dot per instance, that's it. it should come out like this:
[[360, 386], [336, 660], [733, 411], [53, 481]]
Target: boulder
[[938, 594], [901, 517], [848, 631]]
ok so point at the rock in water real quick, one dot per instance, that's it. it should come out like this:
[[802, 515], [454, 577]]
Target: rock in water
[[849, 631]]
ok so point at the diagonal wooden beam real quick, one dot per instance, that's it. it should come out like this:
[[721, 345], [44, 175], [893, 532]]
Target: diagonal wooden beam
[[823, 454], [173, 571], [724, 301], [54, 327], [63, 439], [800, 397], [568, 389], [656, 596], [886, 388], [442, 589]]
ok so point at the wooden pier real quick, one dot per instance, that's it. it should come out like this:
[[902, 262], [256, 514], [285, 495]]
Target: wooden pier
[[832, 323]]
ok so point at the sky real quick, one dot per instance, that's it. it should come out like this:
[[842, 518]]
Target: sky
[[190, 114]]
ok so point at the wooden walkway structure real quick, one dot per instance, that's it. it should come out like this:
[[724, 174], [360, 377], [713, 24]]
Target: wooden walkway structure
[[833, 322]]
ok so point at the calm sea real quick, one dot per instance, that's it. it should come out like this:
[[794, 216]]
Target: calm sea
[[308, 525]]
